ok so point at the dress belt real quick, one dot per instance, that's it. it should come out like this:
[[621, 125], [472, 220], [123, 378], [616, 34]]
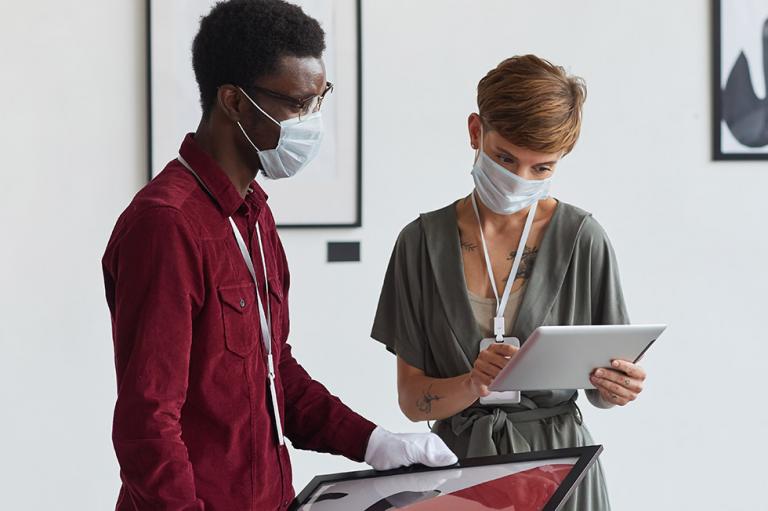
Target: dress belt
[[495, 426]]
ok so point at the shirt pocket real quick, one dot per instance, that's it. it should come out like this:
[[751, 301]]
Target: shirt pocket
[[239, 313]]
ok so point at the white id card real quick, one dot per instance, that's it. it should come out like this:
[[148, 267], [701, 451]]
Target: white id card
[[510, 397]]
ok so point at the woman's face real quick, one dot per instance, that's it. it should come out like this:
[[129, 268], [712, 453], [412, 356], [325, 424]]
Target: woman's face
[[522, 162]]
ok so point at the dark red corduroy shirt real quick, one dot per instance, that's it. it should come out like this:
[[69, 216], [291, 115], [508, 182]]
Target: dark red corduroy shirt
[[192, 426]]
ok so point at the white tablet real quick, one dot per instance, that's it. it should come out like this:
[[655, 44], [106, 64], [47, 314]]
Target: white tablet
[[563, 357]]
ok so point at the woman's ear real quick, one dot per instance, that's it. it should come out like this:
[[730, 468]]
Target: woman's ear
[[475, 125], [230, 101]]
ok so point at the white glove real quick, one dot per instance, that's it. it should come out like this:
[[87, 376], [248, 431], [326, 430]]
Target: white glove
[[392, 450]]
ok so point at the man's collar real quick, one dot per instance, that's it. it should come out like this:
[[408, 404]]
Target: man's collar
[[217, 182]]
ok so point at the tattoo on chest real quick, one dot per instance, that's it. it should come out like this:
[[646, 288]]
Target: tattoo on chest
[[424, 403], [468, 246], [526, 262]]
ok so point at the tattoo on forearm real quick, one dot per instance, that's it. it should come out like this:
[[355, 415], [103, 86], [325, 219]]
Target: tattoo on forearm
[[526, 262], [468, 246], [424, 403]]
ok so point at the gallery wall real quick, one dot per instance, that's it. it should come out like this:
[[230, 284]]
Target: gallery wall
[[687, 231]]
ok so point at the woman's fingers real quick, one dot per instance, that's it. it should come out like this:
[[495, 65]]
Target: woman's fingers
[[488, 364], [621, 383], [621, 379], [494, 360], [612, 391], [501, 349], [630, 369], [497, 355], [489, 371]]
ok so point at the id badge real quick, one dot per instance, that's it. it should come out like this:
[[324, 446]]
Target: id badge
[[509, 397]]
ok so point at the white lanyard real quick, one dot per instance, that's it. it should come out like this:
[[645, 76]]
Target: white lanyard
[[501, 304], [266, 330]]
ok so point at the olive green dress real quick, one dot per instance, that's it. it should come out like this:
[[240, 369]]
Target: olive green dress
[[425, 316]]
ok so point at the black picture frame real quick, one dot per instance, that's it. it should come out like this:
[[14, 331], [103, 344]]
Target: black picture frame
[[586, 455], [356, 221], [719, 104]]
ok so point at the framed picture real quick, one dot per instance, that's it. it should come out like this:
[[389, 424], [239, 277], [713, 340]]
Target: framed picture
[[538, 481], [325, 194], [740, 124]]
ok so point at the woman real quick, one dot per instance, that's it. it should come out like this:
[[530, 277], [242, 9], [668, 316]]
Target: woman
[[447, 286]]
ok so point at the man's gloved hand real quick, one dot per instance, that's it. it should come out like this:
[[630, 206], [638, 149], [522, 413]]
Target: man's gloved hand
[[392, 450]]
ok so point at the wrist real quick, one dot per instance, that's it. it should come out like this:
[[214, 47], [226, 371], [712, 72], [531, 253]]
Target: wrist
[[375, 441], [469, 387]]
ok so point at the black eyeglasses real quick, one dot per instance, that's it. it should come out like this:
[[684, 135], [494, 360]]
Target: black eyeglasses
[[305, 106]]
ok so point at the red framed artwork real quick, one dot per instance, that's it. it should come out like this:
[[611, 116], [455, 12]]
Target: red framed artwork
[[538, 481]]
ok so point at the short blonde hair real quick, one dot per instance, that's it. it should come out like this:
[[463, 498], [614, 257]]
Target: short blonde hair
[[533, 103]]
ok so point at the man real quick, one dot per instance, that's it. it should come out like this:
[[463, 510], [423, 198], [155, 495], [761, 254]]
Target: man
[[197, 286]]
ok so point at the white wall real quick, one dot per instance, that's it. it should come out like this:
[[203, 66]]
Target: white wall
[[687, 231], [73, 154]]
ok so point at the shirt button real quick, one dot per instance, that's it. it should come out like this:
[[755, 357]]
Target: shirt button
[[242, 303]]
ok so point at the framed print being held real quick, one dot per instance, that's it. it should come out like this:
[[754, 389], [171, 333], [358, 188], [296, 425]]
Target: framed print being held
[[538, 481], [325, 194]]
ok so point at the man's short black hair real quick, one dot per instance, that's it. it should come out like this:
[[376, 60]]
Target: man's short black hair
[[240, 41]]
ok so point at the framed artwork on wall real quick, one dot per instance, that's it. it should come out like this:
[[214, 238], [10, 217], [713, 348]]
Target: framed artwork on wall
[[740, 85], [538, 481], [325, 194]]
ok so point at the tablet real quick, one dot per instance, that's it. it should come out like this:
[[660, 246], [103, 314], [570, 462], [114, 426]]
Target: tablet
[[563, 357]]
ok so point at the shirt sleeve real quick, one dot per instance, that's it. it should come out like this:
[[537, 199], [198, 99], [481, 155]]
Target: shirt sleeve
[[315, 419], [398, 322], [155, 276]]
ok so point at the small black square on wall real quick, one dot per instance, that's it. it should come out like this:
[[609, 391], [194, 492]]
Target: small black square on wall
[[343, 251]]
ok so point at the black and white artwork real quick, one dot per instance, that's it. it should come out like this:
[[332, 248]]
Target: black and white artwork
[[325, 194], [741, 75]]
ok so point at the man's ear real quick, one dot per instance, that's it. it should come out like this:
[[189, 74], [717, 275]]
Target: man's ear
[[230, 100]]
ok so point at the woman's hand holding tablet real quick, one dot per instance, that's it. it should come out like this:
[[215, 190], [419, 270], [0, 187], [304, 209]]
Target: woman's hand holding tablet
[[489, 363], [619, 384]]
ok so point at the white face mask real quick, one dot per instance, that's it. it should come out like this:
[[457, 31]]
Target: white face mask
[[501, 190], [298, 144]]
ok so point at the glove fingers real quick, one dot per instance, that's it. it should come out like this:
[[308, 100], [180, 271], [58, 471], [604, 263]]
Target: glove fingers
[[435, 453]]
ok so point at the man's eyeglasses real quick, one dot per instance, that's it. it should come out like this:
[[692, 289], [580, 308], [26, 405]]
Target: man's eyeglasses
[[305, 106]]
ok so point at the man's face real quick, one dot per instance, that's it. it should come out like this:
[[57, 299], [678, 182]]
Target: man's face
[[296, 80]]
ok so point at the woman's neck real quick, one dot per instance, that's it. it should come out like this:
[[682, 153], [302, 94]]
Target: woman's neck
[[493, 222]]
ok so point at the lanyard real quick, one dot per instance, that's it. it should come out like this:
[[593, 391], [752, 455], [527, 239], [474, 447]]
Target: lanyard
[[266, 330], [501, 304]]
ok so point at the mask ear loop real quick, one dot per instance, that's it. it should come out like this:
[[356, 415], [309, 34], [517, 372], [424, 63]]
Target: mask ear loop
[[239, 125], [247, 137], [257, 106]]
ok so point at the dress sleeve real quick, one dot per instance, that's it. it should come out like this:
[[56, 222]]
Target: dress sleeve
[[608, 306], [398, 323]]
